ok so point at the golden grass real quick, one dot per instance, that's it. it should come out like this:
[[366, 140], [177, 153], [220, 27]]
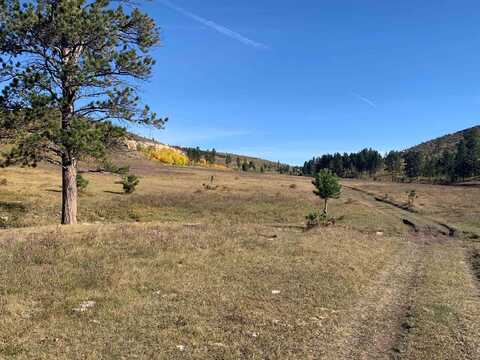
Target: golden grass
[[176, 195], [176, 271]]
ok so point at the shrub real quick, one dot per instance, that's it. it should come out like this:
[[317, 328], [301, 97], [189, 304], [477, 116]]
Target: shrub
[[3, 182], [316, 218], [110, 167], [211, 185], [412, 195], [312, 219], [130, 183], [82, 183]]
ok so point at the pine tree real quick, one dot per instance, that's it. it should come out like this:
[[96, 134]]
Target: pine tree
[[446, 165], [429, 168], [472, 153], [393, 162], [213, 156], [68, 66], [413, 164], [327, 187], [461, 168], [228, 159]]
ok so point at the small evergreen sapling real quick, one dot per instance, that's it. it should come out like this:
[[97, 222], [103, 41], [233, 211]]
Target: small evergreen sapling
[[130, 183], [327, 187]]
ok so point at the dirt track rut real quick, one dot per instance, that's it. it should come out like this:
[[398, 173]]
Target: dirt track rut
[[378, 326]]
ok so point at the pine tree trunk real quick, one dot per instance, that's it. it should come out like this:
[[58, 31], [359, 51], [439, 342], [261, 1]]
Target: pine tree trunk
[[69, 166], [69, 191], [325, 207]]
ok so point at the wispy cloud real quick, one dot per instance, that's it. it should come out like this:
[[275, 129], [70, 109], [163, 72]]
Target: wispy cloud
[[364, 99], [213, 25]]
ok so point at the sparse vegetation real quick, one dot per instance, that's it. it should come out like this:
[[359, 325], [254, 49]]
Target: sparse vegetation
[[246, 243]]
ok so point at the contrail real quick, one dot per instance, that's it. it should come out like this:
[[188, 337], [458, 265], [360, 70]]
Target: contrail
[[213, 25], [365, 100]]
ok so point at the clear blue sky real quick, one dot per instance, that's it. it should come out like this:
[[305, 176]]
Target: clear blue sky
[[287, 80]]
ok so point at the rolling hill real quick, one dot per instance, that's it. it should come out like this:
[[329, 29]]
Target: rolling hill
[[438, 145]]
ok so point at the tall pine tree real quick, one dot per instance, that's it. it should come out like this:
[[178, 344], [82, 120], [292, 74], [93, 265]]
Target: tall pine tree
[[68, 66]]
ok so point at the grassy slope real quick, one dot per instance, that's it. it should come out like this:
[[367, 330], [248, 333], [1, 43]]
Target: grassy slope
[[205, 271]]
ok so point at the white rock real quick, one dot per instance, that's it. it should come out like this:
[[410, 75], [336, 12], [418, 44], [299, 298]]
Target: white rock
[[85, 305], [181, 347], [275, 292]]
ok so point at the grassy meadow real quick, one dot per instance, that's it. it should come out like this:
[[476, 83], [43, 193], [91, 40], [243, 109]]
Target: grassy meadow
[[180, 271]]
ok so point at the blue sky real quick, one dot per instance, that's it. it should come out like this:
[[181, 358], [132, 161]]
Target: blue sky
[[287, 80]]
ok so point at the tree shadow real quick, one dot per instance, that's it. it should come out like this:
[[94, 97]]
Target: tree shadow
[[13, 206], [114, 192], [54, 190]]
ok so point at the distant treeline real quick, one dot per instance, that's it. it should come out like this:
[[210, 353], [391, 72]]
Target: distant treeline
[[199, 156], [450, 166]]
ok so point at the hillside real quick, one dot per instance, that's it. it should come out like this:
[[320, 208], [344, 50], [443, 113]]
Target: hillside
[[438, 145], [220, 156]]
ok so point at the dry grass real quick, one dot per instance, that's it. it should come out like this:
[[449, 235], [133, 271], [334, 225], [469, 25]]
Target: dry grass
[[209, 288], [446, 312], [167, 194], [456, 205], [175, 271]]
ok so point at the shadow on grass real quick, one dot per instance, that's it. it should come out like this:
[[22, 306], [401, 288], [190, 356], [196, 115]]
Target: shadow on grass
[[13, 206], [54, 190], [114, 192]]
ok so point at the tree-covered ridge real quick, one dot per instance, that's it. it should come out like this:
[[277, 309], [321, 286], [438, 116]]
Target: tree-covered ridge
[[450, 165], [447, 142], [367, 161]]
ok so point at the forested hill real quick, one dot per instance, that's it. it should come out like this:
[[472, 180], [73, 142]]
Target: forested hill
[[448, 159], [438, 145]]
